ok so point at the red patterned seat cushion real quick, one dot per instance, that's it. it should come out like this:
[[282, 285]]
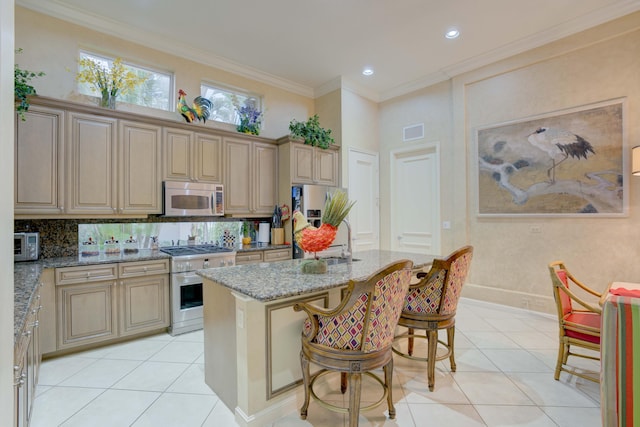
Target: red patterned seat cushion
[[587, 319]]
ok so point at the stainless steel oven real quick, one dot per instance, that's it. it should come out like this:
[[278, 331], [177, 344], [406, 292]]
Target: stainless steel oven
[[186, 285]]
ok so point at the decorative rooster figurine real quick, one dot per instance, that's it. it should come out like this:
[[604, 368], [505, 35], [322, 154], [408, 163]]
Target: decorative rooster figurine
[[201, 109], [316, 239]]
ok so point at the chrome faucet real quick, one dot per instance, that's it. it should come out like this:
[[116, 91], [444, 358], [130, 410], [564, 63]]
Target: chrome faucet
[[349, 253]]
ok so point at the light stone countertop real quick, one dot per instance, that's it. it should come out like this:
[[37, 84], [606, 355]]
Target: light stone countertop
[[277, 280]]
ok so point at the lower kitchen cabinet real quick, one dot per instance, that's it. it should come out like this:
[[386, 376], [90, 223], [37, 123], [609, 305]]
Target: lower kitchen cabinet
[[144, 303], [108, 301], [27, 358], [86, 313]]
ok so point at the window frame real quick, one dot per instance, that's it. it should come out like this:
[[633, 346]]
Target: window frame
[[171, 96], [233, 91]]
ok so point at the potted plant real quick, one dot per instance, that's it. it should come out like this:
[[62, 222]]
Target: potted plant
[[22, 87], [250, 117], [311, 132]]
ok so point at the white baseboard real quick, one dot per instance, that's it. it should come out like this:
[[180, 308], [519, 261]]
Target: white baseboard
[[505, 297]]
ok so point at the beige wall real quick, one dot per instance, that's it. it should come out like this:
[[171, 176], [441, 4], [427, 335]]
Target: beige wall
[[52, 45], [510, 261], [431, 106], [6, 212]]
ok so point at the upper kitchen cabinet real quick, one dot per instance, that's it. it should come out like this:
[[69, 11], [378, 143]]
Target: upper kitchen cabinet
[[39, 162], [139, 171], [113, 169], [191, 157], [250, 182], [92, 171], [313, 165]]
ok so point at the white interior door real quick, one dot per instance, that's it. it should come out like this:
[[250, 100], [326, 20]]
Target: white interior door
[[364, 188], [415, 200]]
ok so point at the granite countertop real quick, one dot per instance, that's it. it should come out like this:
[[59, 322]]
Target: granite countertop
[[277, 280]]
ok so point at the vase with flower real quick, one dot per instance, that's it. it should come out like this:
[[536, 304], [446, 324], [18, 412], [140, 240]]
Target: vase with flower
[[110, 80], [250, 117]]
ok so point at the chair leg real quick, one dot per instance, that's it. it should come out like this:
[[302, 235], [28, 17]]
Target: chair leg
[[343, 382], [355, 384], [304, 363], [410, 345], [432, 337], [451, 332], [388, 384], [561, 358]]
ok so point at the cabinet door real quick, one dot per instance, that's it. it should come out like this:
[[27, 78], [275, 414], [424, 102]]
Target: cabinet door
[[326, 167], [140, 183], [301, 164], [178, 155], [237, 182], [86, 314], [47, 315], [144, 303], [39, 162], [91, 150], [265, 176], [208, 158]]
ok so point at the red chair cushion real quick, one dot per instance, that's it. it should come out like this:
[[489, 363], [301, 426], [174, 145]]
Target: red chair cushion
[[587, 319]]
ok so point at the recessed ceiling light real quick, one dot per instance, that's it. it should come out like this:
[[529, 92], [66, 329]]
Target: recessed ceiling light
[[452, 33], [367, 71]]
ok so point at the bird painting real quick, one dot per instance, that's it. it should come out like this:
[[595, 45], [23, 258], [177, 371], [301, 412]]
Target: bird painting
[[201, 109], [559, 144], [316, 239]]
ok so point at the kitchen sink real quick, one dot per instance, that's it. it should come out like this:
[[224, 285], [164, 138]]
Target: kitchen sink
[[338, 260]]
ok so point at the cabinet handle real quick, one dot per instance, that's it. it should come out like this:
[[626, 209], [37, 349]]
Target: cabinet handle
[[115, 211]]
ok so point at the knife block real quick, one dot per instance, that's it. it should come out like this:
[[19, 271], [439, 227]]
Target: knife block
[[277, 236]]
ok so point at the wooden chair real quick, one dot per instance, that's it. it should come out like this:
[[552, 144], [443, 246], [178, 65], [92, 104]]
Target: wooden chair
[[578, 326], [355, 337], [431, 305]]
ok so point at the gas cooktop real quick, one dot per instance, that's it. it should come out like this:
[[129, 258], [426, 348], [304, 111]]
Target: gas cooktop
[[194, 250]]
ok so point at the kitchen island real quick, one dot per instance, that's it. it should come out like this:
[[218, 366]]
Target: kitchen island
[[252, 334]]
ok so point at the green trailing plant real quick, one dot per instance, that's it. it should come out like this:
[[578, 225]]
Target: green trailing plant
[[311, 132], [22, 87]]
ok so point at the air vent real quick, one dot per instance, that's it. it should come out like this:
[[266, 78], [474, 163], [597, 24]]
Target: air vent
[[409, 133]]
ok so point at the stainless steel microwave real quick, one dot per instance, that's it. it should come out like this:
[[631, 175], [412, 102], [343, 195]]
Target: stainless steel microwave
[[26, 246], [193, 199]]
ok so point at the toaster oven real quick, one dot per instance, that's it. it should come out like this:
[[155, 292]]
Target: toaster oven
[[26, 246]]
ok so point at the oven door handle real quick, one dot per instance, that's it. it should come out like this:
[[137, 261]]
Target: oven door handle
[[186, 279]]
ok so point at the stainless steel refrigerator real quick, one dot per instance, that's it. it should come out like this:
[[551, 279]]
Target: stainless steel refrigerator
[[310, 200]]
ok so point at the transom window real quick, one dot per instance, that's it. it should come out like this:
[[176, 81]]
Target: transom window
[[224, 102], [155, 92]]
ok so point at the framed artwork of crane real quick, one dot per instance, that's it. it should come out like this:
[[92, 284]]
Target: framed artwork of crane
[[567, 163]]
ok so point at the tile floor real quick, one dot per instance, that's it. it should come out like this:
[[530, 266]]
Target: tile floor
[[505, 359]]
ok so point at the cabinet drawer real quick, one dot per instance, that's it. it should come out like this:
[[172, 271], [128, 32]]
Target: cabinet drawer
[[90, 273], [277, 255], [248, 257], [143, 268]]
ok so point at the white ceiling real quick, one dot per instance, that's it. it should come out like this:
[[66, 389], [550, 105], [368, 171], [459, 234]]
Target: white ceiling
[[311, 47]]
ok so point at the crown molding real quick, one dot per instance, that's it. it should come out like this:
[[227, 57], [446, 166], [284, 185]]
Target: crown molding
[[344, 84], [158, 42]]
